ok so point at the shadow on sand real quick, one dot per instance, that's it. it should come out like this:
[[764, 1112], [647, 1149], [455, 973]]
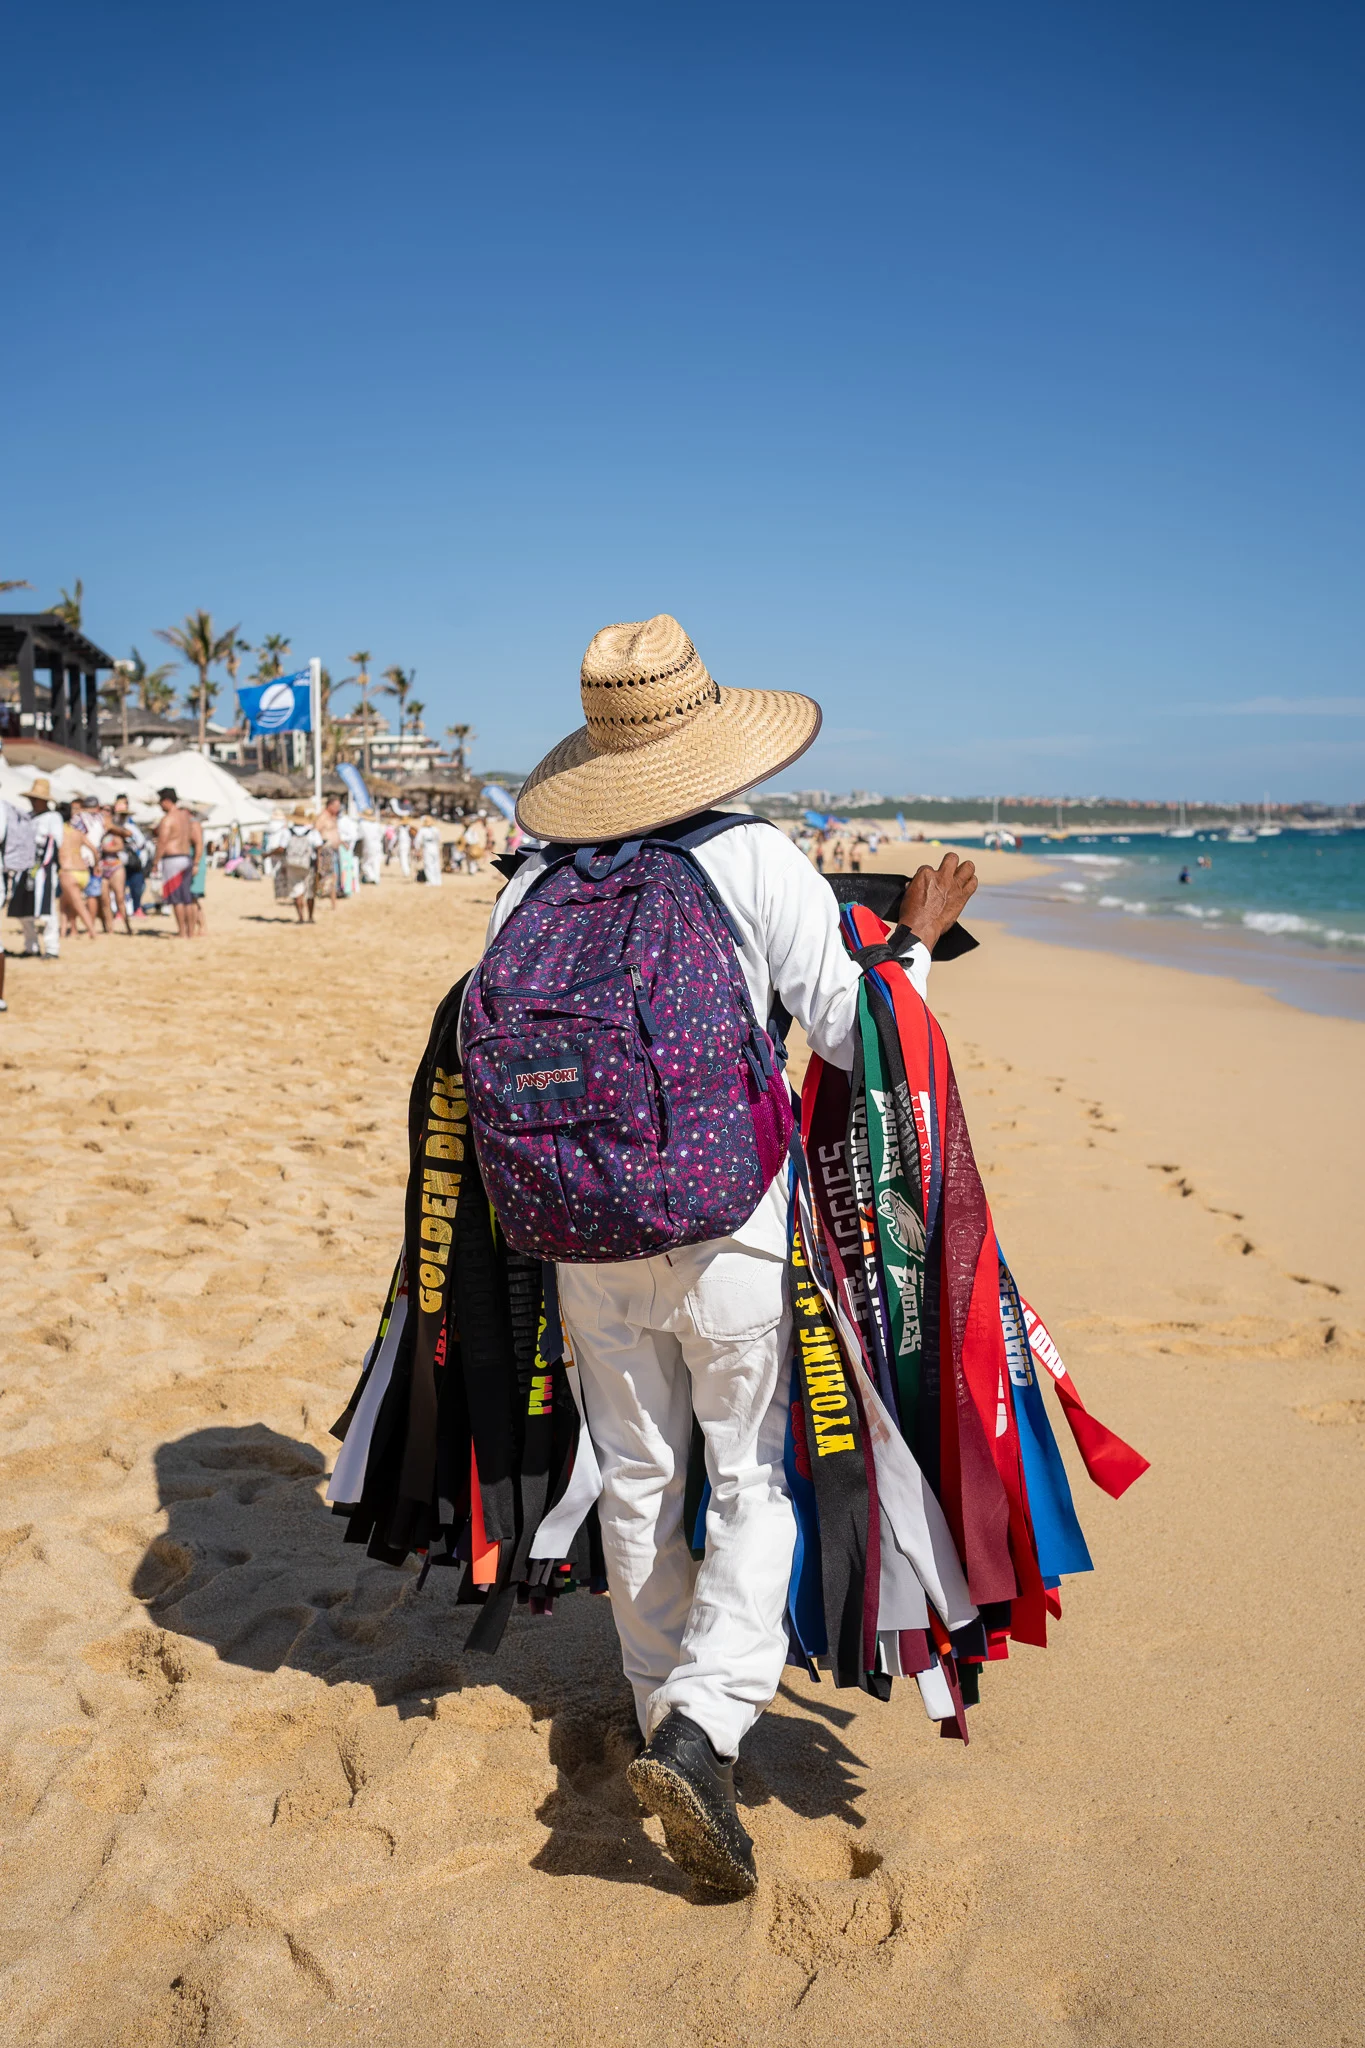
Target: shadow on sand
[[253, 1564]]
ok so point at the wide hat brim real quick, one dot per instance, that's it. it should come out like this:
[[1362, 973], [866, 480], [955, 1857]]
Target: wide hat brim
[[580, 794]]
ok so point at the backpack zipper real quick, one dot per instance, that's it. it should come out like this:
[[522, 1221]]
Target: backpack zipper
[[642, 1003]]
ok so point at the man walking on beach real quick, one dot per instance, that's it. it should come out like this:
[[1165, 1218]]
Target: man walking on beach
[[179, 843], [704, 1330]]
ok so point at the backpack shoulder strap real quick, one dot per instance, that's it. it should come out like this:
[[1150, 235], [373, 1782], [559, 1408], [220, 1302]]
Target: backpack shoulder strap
[[595, 863], [695, 832]]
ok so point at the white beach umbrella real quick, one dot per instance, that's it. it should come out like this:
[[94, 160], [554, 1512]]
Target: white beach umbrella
[[199, 781], [67, 783]]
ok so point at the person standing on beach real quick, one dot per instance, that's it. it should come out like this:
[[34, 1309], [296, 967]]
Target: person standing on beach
[[705, 1329], [113, 881], [328, 828], [32, 849], [199, 882], [348, 868], [371, 848], [429, 847], [405, 848], [137, 853], [89, 818], [9, 872], [75, 867], [475, 842], [179, 843], [295, 877]]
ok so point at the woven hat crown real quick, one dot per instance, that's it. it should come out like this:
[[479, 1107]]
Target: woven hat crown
[[641, 682]]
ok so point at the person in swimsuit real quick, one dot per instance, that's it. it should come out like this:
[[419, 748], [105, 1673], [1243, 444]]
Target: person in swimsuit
[[179, 843], [74, 865], [111, 876]]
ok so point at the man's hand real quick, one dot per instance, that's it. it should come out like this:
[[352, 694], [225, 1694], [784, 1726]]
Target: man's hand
[[936, 898]]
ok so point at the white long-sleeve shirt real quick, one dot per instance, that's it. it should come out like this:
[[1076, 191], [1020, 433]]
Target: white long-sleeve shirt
[[788, 921]]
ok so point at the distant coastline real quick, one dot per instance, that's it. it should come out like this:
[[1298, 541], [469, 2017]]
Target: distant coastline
[[1050, 817]]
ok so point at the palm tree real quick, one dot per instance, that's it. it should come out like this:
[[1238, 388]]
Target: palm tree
[[155, 691], [16, 583], [331, 732], [270, 658], [114, 693], [415, 711], [397, 683], [464, 737], [69, 606], [203, 647], [232, 661], [362, 681]]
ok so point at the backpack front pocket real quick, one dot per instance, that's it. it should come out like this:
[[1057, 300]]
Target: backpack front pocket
[[566, 1139]]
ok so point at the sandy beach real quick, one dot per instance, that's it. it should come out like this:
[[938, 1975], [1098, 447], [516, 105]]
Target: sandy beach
[[255, 1792]]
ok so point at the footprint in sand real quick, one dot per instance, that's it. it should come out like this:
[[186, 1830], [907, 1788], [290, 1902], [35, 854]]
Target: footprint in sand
[[1335, 1414], [866, 1916]]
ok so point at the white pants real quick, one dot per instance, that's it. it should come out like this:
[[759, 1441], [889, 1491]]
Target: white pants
[[404, 853], [48, 930], [704, 1330]]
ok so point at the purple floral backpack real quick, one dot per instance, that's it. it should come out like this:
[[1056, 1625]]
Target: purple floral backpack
[[623, 1097]]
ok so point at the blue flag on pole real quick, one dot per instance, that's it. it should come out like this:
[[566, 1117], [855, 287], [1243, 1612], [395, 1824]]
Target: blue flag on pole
[[286, 705], [355, 782]]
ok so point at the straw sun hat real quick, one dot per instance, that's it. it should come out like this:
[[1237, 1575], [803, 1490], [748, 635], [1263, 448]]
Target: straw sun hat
[[662, 739]]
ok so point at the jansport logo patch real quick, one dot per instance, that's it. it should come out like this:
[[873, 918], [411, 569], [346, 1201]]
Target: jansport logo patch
[[550, 1078], [547, 1077]]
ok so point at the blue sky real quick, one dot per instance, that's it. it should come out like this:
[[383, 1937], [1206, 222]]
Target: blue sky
[[992, 373]]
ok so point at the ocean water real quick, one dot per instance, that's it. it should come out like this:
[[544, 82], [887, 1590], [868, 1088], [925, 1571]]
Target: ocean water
[[1306, 888], [1286, 914]]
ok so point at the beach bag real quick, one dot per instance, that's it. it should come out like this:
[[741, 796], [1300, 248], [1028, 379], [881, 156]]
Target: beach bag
[[300, 855], [623, 1097]]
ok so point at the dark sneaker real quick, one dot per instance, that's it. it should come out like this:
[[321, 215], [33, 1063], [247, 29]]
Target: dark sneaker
[[680, 1777]]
